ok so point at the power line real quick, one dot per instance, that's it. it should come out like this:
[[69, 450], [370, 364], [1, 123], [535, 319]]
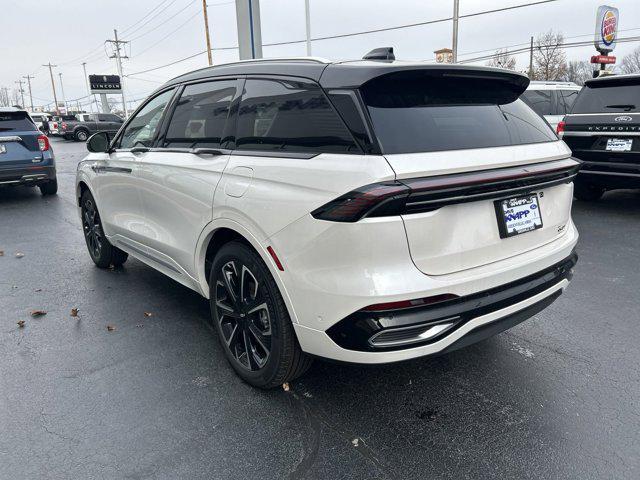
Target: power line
[[169, 64], [165, 7], [167, 20], [124, 30], [167, 35]]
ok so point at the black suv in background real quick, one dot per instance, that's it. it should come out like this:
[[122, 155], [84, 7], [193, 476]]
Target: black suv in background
[[603, 131]]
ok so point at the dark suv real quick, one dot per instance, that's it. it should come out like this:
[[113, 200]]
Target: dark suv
[[602, 131], [26, 157]]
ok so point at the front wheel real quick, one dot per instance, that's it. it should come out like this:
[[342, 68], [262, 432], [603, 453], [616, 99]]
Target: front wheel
[[251, 319], [49, 188], [101, 251]]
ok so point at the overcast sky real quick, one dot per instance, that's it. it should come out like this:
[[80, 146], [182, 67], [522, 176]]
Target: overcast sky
[[68, 32]]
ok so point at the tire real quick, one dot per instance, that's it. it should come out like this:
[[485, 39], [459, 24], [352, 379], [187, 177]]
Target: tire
[[587, 192], [81, 135], [49, 188], [103, 254], [253, 326]]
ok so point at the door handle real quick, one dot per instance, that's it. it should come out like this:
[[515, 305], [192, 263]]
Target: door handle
[[207, 151]]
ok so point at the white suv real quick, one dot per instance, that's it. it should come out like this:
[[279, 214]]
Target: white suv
[[363, 211], [552, 100]]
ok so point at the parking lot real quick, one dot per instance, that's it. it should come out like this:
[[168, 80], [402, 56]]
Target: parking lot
[[153, 396]]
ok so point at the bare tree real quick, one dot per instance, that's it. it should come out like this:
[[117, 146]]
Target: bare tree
[[631, 63], [549, 57], [578, 71], [502, 59]]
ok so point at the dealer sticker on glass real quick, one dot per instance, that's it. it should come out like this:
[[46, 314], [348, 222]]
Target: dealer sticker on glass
[[518, 215]]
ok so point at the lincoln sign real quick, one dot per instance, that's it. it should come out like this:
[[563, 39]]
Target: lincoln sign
[[105, 84]]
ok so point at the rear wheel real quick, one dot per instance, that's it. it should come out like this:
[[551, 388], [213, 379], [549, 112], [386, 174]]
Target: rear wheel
[[101, 251], [81, 135], [49, 188], [587, 192], [251, 319]]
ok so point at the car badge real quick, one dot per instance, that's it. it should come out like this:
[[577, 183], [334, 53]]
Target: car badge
[[623, 118]]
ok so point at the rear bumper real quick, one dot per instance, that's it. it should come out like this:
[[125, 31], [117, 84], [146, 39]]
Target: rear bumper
[[392, 330], [30, 175]]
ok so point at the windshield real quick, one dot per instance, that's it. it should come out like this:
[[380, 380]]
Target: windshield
[[423, 115], [15, 121], [613, 99]]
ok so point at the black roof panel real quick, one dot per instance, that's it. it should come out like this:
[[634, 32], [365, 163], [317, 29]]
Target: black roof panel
[[349, 74]]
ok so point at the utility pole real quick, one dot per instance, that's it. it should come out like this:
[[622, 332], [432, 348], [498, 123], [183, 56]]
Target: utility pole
[[531, 60], [118, 56], [206, 30], [53, 85], [307, 14], [454, 46], [20, 82], [86, 79], [29, 77], [64, 97]]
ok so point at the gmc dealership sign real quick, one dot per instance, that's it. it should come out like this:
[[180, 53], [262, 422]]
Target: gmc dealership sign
[[105, 84]]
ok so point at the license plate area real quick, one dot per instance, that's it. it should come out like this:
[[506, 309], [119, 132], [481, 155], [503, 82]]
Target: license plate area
[[619, 144], [518, 215]]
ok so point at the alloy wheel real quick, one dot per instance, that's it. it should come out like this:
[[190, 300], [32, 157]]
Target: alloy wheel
[[243, 315], [92, 228]]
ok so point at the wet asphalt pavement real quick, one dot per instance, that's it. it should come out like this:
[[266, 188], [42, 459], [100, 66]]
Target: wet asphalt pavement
[[555, 397]]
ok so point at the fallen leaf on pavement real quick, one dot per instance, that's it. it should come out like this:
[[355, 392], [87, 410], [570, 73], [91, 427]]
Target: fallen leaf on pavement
[[19, 255], [38, 290], [74, 312], [355, 442], [1, 253], [285, 387], [110, 328], [20, 323], [148, 314], [38, 313], [139, 325]]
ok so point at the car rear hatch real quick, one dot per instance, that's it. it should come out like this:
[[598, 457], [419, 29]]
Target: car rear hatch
[[18, 140], [604, 126], [461, 141]]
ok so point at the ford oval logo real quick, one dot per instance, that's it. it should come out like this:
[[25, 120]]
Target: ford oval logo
[[623, 118]]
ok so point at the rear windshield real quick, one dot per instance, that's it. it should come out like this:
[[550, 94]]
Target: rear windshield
[[614, 98], [15, 121], [431, 114]]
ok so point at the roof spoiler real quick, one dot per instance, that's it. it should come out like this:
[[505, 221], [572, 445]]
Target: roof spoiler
[[383, 53]]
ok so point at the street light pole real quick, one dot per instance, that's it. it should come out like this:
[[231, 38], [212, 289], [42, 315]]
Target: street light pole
[[454, 46], [53, 86], [307, 13], [206, 30], [86, 79]]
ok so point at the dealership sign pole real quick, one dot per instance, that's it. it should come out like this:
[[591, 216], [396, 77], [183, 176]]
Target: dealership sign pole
[[606, 34]]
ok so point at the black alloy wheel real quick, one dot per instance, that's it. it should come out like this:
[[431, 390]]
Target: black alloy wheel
[[252, 320], [92, 227], [100, 249], [243, 315]]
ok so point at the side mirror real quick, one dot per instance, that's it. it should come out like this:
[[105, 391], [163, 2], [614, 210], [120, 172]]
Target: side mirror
[[98, 142]]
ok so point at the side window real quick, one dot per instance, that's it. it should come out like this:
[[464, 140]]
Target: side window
[[141, 130], [539, 100], [287, 115], [568, 97], [201, 114], [103, 118]]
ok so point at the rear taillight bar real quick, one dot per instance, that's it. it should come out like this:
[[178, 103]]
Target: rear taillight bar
[[430, 193]]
